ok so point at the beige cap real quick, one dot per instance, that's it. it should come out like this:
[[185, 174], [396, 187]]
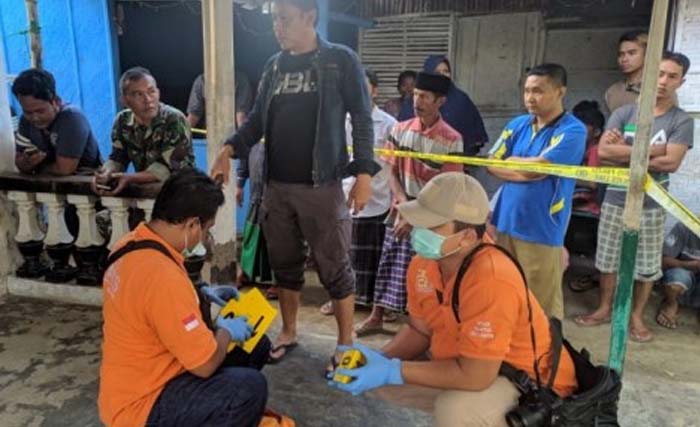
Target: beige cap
[[451, 196]]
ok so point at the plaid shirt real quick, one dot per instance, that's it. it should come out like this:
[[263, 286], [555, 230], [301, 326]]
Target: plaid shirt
[[160, 148]]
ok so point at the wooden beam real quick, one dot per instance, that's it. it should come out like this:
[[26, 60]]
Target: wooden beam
[[639, 163], [34, 31], [217, 19]]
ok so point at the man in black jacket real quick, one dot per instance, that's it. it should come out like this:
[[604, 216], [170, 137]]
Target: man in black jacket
[[305, 93]]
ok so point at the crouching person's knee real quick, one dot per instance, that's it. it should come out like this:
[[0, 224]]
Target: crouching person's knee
[[487, 408], [248, 395]]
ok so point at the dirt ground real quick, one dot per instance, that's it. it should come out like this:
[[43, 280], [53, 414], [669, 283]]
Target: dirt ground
[[50, 352]]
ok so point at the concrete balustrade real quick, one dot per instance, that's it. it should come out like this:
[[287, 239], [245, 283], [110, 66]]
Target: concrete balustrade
[[57, 205]]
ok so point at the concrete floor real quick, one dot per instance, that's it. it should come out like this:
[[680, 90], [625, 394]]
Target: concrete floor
[[49, 360]]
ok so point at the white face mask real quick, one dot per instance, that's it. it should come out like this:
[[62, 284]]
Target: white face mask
[[198, 250]]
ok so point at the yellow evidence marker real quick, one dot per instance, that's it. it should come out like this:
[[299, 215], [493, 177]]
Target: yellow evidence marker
[[351, 359], [260, 315]]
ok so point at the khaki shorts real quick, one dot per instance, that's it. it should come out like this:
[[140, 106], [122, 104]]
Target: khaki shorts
[[457, 408], [294, 213], [543, 268]]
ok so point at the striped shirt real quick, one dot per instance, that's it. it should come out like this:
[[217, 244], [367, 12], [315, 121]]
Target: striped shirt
[[409, 135]]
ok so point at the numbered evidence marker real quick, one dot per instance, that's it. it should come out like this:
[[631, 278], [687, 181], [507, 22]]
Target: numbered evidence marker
[[260, 315], [352, 359]]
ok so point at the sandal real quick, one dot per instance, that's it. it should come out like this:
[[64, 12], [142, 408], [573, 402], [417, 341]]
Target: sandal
[[330, 369], [327, 308], [391, 316], [368, 327], [666, 320], [588, 320], [288, 348]]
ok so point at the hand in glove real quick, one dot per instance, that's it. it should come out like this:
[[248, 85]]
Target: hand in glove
[[238, 327], [220, 295], [377, 371]]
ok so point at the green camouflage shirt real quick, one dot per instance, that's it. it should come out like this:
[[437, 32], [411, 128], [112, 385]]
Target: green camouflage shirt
[[162, 147]]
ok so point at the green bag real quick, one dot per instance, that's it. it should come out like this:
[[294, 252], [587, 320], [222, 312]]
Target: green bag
[[254, 260]]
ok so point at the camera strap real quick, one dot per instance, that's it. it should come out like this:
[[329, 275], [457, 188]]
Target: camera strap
[[507, 370]]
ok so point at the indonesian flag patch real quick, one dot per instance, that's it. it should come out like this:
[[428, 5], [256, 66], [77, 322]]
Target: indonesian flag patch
[[190, 322]]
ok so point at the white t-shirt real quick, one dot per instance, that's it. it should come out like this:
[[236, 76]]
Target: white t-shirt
[[380, 202]]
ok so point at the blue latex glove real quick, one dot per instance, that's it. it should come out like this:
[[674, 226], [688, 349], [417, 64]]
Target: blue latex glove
[[238, 327], [220, 295], [378, 371]]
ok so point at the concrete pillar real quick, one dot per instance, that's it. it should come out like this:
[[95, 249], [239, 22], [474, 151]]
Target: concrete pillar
[[147, 206], [220, 87], [119, 214], [57, 232], [87, 233]]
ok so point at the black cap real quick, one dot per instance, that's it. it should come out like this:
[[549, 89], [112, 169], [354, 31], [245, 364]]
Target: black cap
[[432, 82]]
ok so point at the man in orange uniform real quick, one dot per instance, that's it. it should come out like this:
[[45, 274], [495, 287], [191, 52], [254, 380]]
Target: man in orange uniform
[[161, 364], [467, 343]]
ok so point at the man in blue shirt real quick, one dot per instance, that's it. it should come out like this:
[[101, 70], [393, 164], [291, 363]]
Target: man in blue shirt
[[533, 210], [52, 137]]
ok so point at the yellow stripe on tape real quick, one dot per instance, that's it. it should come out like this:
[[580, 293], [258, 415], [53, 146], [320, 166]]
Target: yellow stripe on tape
[[673, 206], [603, 175]]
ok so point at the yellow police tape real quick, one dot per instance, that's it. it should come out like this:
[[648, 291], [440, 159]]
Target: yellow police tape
[[601, 175]]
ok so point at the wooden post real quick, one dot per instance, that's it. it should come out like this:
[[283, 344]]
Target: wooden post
[[639, 163], [217, 19], [34, 32]]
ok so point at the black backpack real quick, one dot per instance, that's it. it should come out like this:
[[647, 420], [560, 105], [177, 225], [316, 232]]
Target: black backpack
[[595, 402]]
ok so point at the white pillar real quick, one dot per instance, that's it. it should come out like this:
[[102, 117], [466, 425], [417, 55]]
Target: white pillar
[[57, 232], [217, 23], [87, 233], [28, 229], [119, 214], [147, 206]]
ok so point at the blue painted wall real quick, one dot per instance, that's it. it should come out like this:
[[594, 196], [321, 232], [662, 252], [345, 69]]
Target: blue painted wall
[[77, 50]]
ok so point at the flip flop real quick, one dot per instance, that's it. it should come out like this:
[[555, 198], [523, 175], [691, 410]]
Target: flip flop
[[288, 348], [665, 320], [641, 337], [366, 328], [587, 321], [330, 369], [391, 316], [327, 308]]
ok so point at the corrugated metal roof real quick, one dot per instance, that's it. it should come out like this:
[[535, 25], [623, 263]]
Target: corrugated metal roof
[[377, 8]]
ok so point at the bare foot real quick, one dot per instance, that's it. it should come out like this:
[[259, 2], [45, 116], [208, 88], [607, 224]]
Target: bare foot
[[639, 331]]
